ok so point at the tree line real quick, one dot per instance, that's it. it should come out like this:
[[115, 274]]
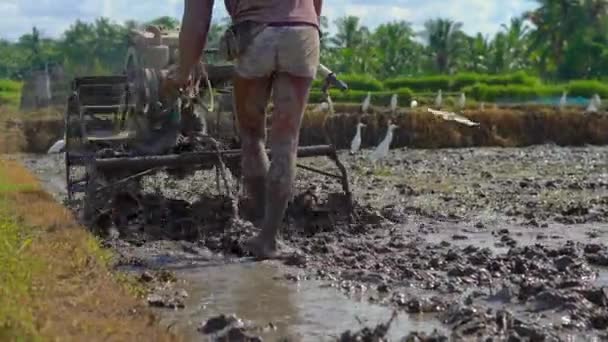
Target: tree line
[[559, 40]]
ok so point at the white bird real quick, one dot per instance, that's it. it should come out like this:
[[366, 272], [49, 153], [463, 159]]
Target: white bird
[[382, 149], [462, 101], [394, 103], [366, 102], [598, 100], [322, 107], [594, 104], [356, 143], [482, 106], [448, 116], [438, 99], [57, 147], [563, 100], [414, 104]]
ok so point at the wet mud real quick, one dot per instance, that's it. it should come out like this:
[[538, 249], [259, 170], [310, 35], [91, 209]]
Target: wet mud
[[508, 244]]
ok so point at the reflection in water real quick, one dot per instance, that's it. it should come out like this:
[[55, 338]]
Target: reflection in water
[[259, 295], [257, 292]]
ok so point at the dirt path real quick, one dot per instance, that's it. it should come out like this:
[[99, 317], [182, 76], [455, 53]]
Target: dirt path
[[489, 242]]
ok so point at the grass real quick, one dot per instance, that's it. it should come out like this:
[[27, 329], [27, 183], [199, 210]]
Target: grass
[[10, 92], [55, 280]]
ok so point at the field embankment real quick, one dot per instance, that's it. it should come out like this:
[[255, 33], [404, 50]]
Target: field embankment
[[503, 127], [32, 132], [55, 280], [513, 126]]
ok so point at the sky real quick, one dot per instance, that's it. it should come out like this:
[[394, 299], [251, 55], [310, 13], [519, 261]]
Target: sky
[[52, 17]]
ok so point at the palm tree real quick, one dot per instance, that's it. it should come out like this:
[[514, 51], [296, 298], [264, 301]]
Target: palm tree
[[350, 34], [516, 36], [396, 49], [443, 37], [554, 21], [478, 50]]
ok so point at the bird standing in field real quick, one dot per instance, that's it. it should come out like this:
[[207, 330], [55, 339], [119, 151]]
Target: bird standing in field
[[356, 142], [322, 107], [563, 100], [382, 149], [594, 104], [394, 103], [439, 99], [462, 101], [57, 147], [366, 102], [413, 104]]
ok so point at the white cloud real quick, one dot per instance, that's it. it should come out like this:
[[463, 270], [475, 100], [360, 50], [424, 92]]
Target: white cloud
[[52, 17]]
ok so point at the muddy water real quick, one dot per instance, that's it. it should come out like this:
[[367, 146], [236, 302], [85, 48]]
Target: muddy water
[[267, 295], [258, 292]]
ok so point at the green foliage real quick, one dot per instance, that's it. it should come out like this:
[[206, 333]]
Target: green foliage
[[587, 88], [459, 81], [16, 319], [418, 84], [566, 41], [10, 92], [519, 92], [10, 86], [378, 98], [357, 82], [515, 92]]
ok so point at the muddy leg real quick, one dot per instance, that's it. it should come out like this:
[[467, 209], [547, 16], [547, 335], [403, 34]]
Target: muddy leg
[[251, 97], [290, 95]]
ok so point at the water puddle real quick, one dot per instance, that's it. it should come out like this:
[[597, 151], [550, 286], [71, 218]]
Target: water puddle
[[302, 311]]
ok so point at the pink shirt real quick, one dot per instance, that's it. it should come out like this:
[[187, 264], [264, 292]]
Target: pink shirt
[[273, 11]]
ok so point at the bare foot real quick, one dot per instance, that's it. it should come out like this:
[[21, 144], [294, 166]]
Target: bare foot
[[264, 248]]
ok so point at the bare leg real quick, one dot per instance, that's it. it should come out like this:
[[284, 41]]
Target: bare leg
[[251, 98], [290, 95]]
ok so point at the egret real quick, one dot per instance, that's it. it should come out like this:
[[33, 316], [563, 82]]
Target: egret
[[381, 150], [322, 107], [462, 101], [598, 100], [356, 143], [414, 104], [394, 103], [57, 147], [439, 99], [594, 104], [448, 116], [563, 100], [366, 102]]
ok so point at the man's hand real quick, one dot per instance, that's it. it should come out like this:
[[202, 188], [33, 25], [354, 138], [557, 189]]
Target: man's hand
[[174, 82]]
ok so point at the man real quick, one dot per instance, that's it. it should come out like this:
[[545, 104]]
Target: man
[[280, 59]]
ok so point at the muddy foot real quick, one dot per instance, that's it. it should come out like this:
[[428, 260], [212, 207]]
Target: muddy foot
[[262, 249]]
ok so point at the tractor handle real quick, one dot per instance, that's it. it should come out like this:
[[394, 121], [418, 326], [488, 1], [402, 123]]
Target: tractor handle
[[331, 79]]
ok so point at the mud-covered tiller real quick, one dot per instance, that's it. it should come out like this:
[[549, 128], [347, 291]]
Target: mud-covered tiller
[[119, 129]]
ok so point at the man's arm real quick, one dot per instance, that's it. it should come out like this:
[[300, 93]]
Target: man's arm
[[193, 34]]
